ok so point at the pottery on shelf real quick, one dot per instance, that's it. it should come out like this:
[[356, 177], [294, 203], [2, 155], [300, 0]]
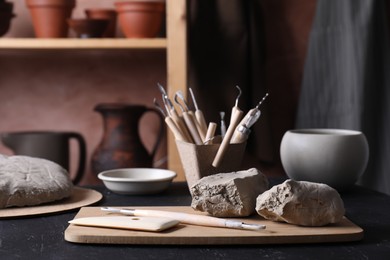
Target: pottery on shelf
[[104, 13], [49, 17], [6, 7], [6, 16], [140, 19], [88, 28], [121, 145]]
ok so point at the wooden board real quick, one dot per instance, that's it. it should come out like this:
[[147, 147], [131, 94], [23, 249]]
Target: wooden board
[[81, 197], [275, 233]]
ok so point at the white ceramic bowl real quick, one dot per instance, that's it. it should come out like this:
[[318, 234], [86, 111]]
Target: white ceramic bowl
[[335, 157], [137, 181]]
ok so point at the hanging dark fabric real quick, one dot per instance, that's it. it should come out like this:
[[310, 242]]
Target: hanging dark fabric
[[346, 82]]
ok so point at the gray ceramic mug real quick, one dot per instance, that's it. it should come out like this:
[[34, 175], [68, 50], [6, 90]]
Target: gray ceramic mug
[[50, 145]]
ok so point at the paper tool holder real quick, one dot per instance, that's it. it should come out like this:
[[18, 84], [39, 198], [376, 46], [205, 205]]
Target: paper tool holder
[[197, 159]]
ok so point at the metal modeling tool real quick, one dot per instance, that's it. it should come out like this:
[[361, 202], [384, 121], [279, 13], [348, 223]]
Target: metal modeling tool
[[234, 120], [243, 129], [199, 114], [171, 124], [187, 218], [223, 125], [169, 105], [235, 108], [171, 111], [191, 114], [188, 119]]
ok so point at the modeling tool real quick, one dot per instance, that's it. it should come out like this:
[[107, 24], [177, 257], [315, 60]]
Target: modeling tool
[[172, 126], [243, 129], [199, 114], [187, 218], [188, 119], [223, 125]]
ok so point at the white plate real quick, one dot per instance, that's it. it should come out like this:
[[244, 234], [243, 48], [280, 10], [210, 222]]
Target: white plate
[[136, 181]]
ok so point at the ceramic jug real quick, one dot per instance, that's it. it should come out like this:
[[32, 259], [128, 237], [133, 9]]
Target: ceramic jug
[[121, 145], [53, 146]]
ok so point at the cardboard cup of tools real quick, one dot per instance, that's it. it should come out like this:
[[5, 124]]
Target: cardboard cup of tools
[[197, 159]]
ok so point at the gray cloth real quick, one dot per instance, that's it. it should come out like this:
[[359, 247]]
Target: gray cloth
[[346, 81]]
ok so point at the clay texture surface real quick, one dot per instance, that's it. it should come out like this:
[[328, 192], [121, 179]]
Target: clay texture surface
[[229, 194], [27, 181], [301, 203]]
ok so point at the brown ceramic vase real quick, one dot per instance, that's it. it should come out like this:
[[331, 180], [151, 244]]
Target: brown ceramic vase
[[121, 145], [108, 14], [140, 19], [49, 17]]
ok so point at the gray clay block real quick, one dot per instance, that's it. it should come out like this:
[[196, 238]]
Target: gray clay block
[[301, 203], [230, 194]]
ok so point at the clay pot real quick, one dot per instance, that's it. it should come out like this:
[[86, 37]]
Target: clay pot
[[50, 17], [6, 7], [5, 22], [88, 28], [140, 19], [6, 16], [109, 14]]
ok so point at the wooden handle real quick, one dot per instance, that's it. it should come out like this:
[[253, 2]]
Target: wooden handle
[[210, 132], [182, 126], [202, 134], [235, 110], [235, 119], [238, 137], [183, 217], [192, 128], [122, 222], [175, 130], [201, 120]]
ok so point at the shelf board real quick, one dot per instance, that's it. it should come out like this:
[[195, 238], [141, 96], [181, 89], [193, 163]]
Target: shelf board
[[73, 43]]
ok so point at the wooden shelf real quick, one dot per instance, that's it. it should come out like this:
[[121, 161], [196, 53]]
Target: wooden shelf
[[73, 43]]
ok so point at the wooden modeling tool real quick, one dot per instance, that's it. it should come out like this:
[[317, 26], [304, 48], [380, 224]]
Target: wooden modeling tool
[[169, 121], [201, 133], [187, 218], [210, 132], [121, 222], [243, 129], [235, 119], [199, 115], [235, 107], [171, 112], [188, 119]]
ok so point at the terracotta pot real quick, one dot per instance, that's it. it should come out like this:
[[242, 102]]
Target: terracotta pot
[[140, 19], [109, 14], [88, 28], [50, 17]]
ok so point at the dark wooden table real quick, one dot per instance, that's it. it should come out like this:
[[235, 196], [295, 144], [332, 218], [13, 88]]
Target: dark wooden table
[[42, 237]]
